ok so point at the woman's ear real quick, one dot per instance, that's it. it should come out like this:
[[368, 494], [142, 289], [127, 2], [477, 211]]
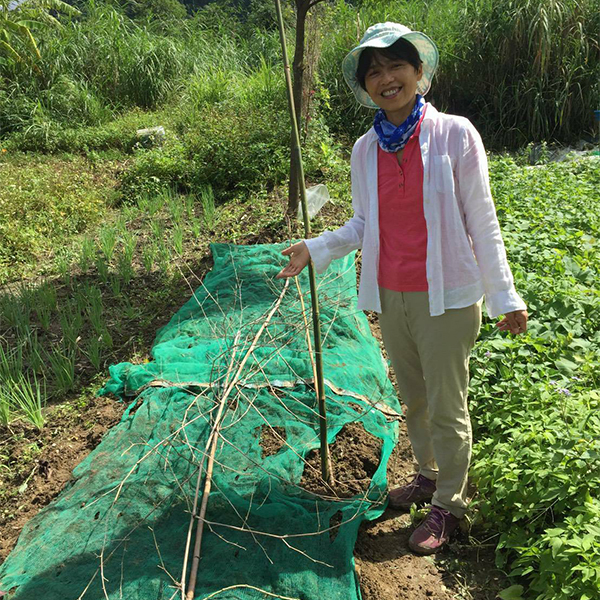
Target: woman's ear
[[419, 72]]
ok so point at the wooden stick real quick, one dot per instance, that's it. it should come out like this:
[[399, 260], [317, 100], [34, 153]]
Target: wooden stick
[[320, 388], [199, 480], [214, 437]]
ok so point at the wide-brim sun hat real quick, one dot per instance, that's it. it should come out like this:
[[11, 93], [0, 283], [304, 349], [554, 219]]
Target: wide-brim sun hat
[[383, 35]]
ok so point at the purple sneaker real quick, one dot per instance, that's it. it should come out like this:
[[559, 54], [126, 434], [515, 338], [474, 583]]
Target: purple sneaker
[[433, 532], [420, 489]]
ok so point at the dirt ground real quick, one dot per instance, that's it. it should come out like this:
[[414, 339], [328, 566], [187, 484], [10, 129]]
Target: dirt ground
[[37, 465]]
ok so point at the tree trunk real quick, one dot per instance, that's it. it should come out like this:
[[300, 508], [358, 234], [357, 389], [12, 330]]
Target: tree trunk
[[302, 7]]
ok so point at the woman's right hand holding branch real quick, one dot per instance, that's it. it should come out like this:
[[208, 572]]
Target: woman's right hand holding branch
[[299, 258]]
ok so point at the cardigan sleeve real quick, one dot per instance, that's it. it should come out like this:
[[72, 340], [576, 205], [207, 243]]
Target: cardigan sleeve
[[482, 225], [335, 244]]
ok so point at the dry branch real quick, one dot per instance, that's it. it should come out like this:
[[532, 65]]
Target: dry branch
[[213, 441]]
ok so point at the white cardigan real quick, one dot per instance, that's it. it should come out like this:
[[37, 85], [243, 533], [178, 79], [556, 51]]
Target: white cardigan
[[465, 252]]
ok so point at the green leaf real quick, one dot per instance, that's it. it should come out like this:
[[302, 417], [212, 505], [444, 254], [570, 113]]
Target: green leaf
[[556, 544], [566, 366], [514, 592]]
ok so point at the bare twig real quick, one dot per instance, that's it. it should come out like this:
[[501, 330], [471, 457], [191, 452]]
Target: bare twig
[[214, 438], [248, 587]]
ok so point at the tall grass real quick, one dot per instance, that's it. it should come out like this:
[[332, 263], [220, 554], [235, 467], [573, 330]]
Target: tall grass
[[522, 71]]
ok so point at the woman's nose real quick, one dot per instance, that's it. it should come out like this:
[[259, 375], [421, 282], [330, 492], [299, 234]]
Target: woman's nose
[[386, 75]]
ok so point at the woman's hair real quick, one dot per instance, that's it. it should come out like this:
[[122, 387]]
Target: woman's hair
[[399, 50]]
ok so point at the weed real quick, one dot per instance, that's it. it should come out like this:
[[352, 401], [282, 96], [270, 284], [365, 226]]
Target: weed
[[87, 254], [207, 201], [108, 241]]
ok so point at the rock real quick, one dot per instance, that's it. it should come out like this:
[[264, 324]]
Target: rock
[[151, 137]]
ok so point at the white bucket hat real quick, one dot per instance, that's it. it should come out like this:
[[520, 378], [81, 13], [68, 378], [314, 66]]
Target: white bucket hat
[[383, 35]]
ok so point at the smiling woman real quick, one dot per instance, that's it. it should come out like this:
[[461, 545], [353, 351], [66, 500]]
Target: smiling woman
[[431, 249]]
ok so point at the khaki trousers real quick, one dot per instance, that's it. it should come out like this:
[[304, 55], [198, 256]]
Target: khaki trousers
[[430, 356]]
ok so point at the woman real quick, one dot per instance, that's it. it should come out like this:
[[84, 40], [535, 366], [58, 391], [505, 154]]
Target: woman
[[431, 248]]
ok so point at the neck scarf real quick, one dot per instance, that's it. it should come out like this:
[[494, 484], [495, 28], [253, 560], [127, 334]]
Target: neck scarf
[[392, 138]]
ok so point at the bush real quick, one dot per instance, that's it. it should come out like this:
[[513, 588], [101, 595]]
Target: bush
[[154, 170], [50, 136]]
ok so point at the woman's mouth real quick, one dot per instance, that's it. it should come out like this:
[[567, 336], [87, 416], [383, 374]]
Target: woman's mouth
[[391, 93]]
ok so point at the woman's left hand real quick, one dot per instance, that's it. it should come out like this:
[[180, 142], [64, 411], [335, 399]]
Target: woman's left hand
[[515, 322]]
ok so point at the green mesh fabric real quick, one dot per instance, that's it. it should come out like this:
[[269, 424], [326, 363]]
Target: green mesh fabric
[[119, 529]]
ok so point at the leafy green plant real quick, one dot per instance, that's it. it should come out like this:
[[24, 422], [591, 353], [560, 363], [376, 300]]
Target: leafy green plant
[[11, 362], [102, 268], [95, 309], [94, 352], [207, 201], [71, 323], [534, 404], [45, 303], [14, 313], [5, 410], [125, 260], [87, 254], [108, 241], [177, 234], [17, 43], [61, 364], [116, 284], [22, 397]]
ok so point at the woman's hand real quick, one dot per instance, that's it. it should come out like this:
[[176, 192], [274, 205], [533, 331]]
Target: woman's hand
[[299, 258], [515, 322]]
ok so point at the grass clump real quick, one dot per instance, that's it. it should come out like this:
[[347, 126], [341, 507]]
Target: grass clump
[[43, 201]]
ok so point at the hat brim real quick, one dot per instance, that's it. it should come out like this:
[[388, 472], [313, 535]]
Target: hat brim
[[428, 53]]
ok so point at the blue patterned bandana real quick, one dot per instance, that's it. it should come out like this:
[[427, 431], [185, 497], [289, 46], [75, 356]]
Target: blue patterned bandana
[[392, 138]]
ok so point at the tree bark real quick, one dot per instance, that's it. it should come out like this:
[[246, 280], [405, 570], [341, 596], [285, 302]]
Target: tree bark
[[302, 7]]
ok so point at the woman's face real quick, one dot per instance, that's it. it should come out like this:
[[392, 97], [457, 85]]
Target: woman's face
[[392, 85]]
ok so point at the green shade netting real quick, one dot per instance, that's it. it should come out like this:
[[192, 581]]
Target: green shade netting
[[119, 529]]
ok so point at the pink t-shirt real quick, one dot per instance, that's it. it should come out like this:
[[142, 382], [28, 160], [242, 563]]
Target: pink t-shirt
[[402, 226]]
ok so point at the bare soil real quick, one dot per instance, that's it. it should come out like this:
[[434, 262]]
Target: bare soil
[[355, 456], [271, 440], [37, 464], [387, 569]]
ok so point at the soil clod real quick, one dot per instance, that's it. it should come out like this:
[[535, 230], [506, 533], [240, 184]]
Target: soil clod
[[355, 456]]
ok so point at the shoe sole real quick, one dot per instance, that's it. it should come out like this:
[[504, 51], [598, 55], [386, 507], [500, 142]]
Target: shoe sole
[[424, 551]]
